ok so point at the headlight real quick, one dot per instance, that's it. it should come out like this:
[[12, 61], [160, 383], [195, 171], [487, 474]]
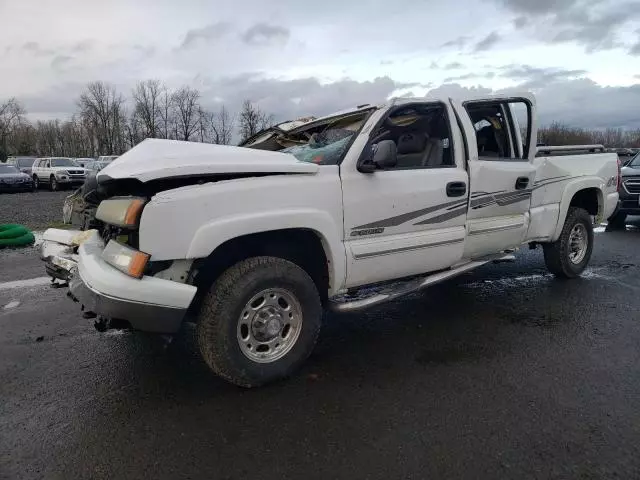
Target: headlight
[[122, 212], [126, 259]]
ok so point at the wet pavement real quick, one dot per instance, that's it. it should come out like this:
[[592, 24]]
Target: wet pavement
[[501, 373]]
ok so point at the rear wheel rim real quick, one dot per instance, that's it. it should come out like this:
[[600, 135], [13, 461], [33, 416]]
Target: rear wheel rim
[[269, 325], [578, 243]]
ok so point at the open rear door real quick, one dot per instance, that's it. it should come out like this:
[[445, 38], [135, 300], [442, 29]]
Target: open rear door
[[501, 171]]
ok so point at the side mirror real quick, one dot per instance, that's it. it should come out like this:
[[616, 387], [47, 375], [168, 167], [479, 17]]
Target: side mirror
[[384, 155]]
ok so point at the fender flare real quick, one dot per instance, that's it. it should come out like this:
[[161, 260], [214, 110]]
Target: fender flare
[[213, 234], [573, 187]]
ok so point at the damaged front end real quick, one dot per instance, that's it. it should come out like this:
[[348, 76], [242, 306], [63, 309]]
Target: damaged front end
[[59, 250]]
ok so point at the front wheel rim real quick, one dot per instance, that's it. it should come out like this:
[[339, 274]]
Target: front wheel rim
[[578, 243], [269, 325]]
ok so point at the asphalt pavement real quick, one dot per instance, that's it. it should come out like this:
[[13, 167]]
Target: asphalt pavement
[[504, 372]]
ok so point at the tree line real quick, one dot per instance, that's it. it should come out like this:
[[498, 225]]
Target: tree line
[[560, 134], [107, 123]]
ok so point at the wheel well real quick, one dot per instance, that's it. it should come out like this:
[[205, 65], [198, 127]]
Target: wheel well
[[589, 199], [302, 247]]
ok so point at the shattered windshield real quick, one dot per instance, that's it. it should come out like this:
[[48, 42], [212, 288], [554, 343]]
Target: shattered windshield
[[323, 148], [325, 143]]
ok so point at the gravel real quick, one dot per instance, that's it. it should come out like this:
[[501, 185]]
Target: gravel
[[35, 210]]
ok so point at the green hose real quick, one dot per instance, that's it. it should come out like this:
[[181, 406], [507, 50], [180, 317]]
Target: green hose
[[13, 235]]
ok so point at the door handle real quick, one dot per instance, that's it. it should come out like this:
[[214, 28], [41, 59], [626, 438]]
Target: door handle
[[456, 189], [522, 183]]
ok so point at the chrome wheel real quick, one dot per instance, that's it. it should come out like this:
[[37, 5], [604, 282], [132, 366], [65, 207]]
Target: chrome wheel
[[578, 243], [269, 325]]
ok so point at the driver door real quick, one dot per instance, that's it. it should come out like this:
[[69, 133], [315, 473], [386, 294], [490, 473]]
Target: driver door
[[407, 219]]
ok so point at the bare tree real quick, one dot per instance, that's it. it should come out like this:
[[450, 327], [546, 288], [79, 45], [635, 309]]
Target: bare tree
[[252, 120], [102, 108], [222, 127], [147, 98], [11, 115], [186, 107]]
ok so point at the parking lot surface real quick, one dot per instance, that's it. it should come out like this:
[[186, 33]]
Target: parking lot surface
[[504, 372]]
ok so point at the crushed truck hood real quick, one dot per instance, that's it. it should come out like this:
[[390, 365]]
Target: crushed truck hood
[[154, 159]]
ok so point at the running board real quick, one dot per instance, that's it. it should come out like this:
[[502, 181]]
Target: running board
[[371, 296]]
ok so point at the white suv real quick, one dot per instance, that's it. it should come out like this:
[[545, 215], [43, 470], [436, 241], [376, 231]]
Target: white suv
[[57, 172]]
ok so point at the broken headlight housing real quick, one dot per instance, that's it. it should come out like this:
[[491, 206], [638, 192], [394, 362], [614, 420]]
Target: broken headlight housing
[[122, 212]]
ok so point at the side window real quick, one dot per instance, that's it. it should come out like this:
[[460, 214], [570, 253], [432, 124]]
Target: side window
[[497, 126], [422, 135]]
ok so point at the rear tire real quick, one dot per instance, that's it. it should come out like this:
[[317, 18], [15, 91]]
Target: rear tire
[[570, 254], [260, 321], [36, 182]]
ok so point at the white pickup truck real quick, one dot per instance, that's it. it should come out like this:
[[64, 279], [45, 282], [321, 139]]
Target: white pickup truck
[[342, 212]]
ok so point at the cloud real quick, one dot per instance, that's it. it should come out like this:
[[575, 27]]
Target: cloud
[[466, 76], [593, 24], [469, 76], [59, 61], [537, 77], [487, 42], [520, 22], [453, 66], [82, 46], [288, 99], [458, 42], [578, 102], [35, 49], [265, 34], [214, 31], [635, 49]]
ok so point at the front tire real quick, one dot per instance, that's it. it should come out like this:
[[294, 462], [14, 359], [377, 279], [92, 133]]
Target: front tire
[[259, 321], [570, 254], [53, 184]]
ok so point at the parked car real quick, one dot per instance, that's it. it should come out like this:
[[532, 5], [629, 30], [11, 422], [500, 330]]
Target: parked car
[[12, 179], [82, 162], [107, 158], [57, 172], [352, 210], [624, 152], [24, 164], [97, 165], [629, 191]]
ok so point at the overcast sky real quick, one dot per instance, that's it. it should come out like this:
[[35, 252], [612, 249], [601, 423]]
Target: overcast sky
[[581, 57]]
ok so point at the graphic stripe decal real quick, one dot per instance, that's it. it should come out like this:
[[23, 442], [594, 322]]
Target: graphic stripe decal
[[407, 249], [405, 217], [444, 217], [459, 207]]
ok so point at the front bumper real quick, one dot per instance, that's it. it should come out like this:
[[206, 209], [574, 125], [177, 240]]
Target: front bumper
[[71, 180], [629, 203], [16, 187], [149, 304]]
